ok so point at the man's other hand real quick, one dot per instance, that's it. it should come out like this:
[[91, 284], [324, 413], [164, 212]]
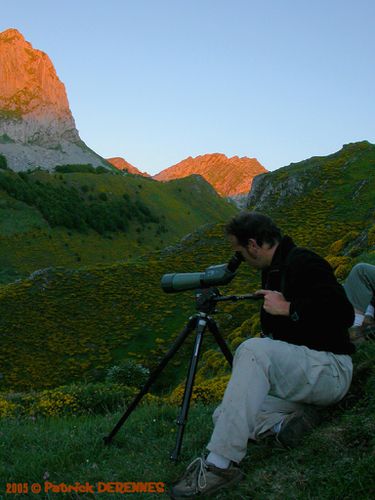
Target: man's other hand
[[274, 302]]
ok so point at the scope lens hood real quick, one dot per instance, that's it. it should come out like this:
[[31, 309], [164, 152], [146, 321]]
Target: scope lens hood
[[167, 283]]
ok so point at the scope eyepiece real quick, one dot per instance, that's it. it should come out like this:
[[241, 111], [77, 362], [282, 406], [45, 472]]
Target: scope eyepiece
[[235, 262]]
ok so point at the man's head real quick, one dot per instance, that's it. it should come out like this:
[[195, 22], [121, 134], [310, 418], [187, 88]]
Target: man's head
[[256, 236]]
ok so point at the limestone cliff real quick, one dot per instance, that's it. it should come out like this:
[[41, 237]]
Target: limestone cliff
[[36, 125]]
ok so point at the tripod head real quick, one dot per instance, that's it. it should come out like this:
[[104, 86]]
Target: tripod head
[[207, 298]]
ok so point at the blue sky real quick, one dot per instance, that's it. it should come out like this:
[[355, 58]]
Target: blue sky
[[155, 81]]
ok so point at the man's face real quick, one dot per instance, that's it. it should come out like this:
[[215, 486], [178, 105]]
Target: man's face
[[253, 254]]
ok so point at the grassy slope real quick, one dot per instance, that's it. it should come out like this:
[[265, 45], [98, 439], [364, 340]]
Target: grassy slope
[[84, 320], [337, 196], [29, 243], [336, 461]]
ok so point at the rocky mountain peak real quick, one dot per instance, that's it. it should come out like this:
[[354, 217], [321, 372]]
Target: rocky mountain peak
[[34, 110], [12, 35], [30, 87], [229, 176], [122, 164]]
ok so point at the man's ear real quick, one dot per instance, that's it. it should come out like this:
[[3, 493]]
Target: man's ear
[[252, 244]]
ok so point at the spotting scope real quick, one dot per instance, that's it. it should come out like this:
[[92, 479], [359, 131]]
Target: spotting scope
[[221, 274]]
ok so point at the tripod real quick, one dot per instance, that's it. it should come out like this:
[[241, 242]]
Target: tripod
[[206, 300]]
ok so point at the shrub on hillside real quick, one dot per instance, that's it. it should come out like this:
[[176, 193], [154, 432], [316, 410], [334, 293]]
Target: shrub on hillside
[[340, 264], [371, 236], [73, 399], [81, 168], [3, 163], [339, 245], [7, 408], [53, 403], [100, 397], [129, 373], [63, 206], [209, 391]]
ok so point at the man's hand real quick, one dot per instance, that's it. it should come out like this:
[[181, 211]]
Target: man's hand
[[274, 302]]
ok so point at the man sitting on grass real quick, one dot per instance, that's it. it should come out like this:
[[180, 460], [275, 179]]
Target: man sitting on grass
[[360, 290], [302, 361]]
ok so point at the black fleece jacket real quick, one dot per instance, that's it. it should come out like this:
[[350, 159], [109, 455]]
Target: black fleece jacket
[[320, 313]]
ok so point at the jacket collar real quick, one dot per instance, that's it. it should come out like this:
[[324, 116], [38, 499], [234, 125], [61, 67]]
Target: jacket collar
[[272, 275], [284, 247]]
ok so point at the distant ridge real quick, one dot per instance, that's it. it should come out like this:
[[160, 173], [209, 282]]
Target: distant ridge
[[230, 177], [122, 164]]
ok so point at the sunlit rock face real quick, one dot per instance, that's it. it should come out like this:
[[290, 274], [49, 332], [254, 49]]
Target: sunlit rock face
[[34, 110], [229, 176], [122, 164]]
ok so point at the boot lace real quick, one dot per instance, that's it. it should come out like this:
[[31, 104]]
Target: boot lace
[[197, 469]]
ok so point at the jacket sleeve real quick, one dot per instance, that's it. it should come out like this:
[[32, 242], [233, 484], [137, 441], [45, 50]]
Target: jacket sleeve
[[319, 298]]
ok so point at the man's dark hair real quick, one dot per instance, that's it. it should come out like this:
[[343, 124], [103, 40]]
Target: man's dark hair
[[247, 225]]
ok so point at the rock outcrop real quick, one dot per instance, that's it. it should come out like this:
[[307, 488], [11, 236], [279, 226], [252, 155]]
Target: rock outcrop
[[123, 165], [264, 189], [36, 125], [231, 177]]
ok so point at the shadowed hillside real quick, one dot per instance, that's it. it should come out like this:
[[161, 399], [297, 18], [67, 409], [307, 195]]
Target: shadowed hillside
[[74, 218]]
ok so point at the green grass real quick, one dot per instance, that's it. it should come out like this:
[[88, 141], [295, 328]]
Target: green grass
[[335, 462]]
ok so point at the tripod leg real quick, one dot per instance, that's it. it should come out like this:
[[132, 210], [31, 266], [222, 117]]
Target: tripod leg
[[179, 341], [212, 326], [182, 418]]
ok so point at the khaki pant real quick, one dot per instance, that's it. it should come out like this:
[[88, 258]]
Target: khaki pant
[[360, 286], [270, 379]]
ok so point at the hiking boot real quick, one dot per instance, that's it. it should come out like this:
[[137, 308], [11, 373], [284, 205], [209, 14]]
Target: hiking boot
[[202, 478], [368, 327], [368, 321], [356, 334], [366, 331], [369, 331], [296, 426]]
